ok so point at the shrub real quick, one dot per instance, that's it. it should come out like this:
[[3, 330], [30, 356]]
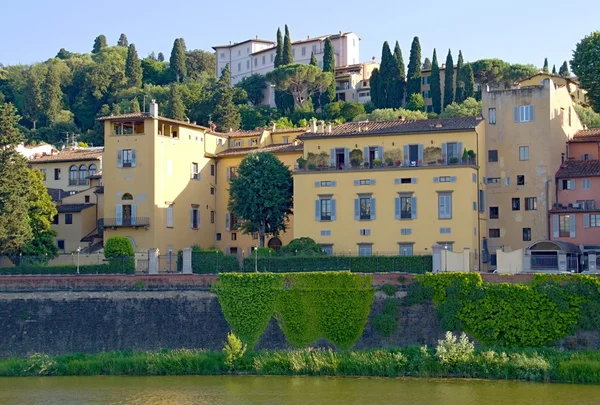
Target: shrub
[[387, 321], [452, 351], [389, 289], [118, 246], [302, 246], [234, 350]]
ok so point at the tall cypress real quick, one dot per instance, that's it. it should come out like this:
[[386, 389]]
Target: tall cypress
[[52, 93], [545, 68], [460, 79], [413, 76], [99, 43], [32, 99], [401, 79], [278, 49], [123, 41], [469, 81], [177, 60], [226, 114], [287, 57], [553, 69], [564, 70], [328, 96], [316, 98], [133, 67], [427, 64], [176, 106], [376, 91], [388, 78], [15, 230], [135, 105], [435, 84], [161, 57], [449, 80], [313, 59]]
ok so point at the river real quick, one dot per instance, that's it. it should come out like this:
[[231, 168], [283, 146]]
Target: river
[[287, 390]]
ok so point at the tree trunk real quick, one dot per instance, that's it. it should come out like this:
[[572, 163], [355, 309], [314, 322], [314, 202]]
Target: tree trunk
[[34, 124], [261, 235]]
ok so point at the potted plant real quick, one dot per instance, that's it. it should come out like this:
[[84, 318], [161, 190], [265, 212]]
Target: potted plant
[[355, 162], [398, 163], [389, 162], [301, 162], [453, 160], [472, 156], [366, 165], [312, 166], [465, 156], [377, 162]]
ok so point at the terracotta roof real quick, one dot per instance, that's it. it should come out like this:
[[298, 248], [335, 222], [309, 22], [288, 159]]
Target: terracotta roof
[[277, 148], [69, 155], [587, 135], [241, 134], [366, 128], [57, 194], [572, 79], [99, 190], [148, 115], [67, 208], [579, 168], [289, 130]]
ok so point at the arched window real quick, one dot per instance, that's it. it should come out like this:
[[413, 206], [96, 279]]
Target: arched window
[[127, 196], [73, 175], [83, 175], [92, 170]]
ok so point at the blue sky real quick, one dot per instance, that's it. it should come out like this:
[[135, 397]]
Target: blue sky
[[516, 31]]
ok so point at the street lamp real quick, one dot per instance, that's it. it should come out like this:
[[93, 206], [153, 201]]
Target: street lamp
[[446, 258], [78, 251], [256, 259]]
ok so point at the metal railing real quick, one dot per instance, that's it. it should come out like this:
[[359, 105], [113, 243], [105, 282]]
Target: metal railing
[[399, 164], [126, 222]]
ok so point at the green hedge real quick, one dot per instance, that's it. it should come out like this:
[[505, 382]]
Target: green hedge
[[117, 265], [210, 262], [356, 264]]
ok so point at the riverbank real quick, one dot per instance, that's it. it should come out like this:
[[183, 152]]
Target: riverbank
[[545, 365]]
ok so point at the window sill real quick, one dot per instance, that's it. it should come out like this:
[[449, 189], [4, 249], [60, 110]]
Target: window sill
[[444, 219]]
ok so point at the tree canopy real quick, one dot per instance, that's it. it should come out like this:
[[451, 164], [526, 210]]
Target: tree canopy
[[584, 64], [413, 76], [254, 86], [449, 80], [435, 85], [300, 81], [469, 108]]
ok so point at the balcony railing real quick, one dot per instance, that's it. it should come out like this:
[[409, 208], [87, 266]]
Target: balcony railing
[[580, 206], [131, 222], [404, 164]]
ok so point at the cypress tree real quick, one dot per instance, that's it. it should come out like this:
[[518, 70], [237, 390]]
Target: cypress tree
[[553, 69], [32, 99], [469, 81], [460, 79], [564, 70], [449, 80], [328, 96], [176, 107], [413, 84], [123, 41], [161, 57], [401, 80], [177, 60], [278, 49], [135, 105], [133, 67], [545, 68], [376, 91], [287, 57], [15, 231], [435, 84], [427, 64], [63, 54], [99, 43], [116, 109], [388, 78], [316, 98], [313, 59], [52, 94], [226, 114]]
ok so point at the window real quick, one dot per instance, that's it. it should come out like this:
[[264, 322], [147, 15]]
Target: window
[[326, 209], [526, 234], [255, 62], [86, 199], [564, 226], [271, 57], [128, 158], [406, 231], [195, 171], [595, 221], [264, 59], [493, 259], [445, 205], [248, 64], [524, 113], [286, 139], [493, 180], [212, 217], [567, 184], [445, 179], [494, 233], [365, 249], [494, 213], [406, 250], [239, 67], [43, 171], [233, 235], [222, 55], [314, 49], [365, 207], [55, 220], [586, 204], [406, 207], [364, 182], [523, 153], [327, 249], [255, 235], [294, 53], [530, 203], [492, 155], [587, 156], [364, 232], [195, 217], [218, 236], [170, 216], [303, 51], [452, 150], [212, 191], [507, 181], [445, 230], [56, 174], [212, 170], [92, 170], [60, 244], [586, 184], [231, 173], [69, 219], [520, 180], [492, 116], [73, 175], [516, 204], [83, 175]]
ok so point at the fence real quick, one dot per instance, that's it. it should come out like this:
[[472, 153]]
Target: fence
[[41, 265]]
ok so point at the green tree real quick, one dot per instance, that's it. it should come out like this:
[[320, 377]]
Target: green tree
[[63, 54], [116, 109], [316, 98], [199, 62], [118, 246], [32, 99], [226, 115], [545, 68], [427, 64], [41, 211], [517, 72], [460, 78], [133, 67], [469, 108], [554, 70], [177, 60], [328, 95], [377, 90], [154, 72], [300, 81], [15, 231], [161, 57], [490, 71], [302, 247], [123, 41], [469, 82], [52, 96], [390, 114], [387, 80], [413, 84], [313, 59], [278, 50], [254, 85], [435, 85], [135, 105], [262, 195], [587, 116], [99, 43], [449, 80], [585, 65], [400, 80], [176, 106], [564, 70], [287, 56], [416, 103]]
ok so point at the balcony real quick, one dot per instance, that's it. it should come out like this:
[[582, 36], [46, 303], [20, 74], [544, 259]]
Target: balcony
[[131, 222], [579, 206], [397, 165]]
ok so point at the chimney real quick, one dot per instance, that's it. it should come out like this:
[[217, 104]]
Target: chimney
[[329, 127], [443, 66], [321, 127], [154, 109], [308, 37], [313, 125], [257, 37], [341, 33]]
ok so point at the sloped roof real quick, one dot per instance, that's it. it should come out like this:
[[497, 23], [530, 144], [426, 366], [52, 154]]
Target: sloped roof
[[587, 135], [579, 168], [69, 208], [366, 128], [264, 41], [70, 155], [57, 194], [277, 148]]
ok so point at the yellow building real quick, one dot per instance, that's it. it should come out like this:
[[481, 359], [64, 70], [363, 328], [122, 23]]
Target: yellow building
[[413, 192], [527, 130], [352, 83], [578, 94], [426, 86]]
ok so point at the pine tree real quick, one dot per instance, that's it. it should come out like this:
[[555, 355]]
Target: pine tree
[[52, 95], [469, 81], [328, 96], [116, 109], [413, 76], [287, 57], [135, 105], [63, 54], [15, 231], [152, 56], [435, 84], [460, 79], [177, 60], [133, 67], [161, 57], [176, 107], [449, 80], [278, 50], [553, 69], [545, 68], [313, 59], [32, 99], [564, 70], [427, 64], [401, 81], [226, 114], [123, 41], [99, 43]]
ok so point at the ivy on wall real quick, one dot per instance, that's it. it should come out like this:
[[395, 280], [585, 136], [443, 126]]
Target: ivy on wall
[[307, 306]]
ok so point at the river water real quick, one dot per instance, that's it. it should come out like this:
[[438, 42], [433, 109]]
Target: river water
[[287, 390]]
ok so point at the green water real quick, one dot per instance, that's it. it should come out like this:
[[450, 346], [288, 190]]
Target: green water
[[287, 390]]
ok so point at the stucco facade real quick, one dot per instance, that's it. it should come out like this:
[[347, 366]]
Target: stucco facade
[[578, 94], [352, 83]]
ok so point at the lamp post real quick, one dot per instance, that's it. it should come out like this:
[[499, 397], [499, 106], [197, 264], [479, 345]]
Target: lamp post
[[78, 251], [445, 258], [256, 259]]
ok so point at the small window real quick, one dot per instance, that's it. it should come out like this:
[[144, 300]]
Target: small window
[[326, 204], [494, 233], [212, 170], [218, 236], [492, 114], [327, 249], [60, 244], [586, 184], [595, 221], [530, 203], [212, 217], [286, 139], [233, 235], [57, 176], [494, 213], [264, 59], [212, 191], [170, 216], [127, 157], [195, 218], [406, 207], [365, 250], [526, 234], [567, 184], [365, 207], [127, 196], [195, 171], [492, 155], [493, 180], [68, 219], [444, 179], [87, 199], [406, 250], [493, 259], [521, 180], [516, 204], [364, 182], [564, 226], [523, 153]]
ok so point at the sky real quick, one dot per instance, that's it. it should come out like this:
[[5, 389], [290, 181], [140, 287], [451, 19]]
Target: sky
[[516, 31]]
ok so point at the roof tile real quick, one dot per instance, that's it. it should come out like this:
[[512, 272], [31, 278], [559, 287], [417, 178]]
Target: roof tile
[[66, 208], [69, 155], [277, 148], [587, 135], [579, 168]]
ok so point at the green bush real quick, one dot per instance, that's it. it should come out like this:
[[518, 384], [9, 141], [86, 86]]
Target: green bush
[[302, 246], [115, 266], [389, 289], [209, 261], [452, 350], [118, 246], [233, 350], [386, 322]]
